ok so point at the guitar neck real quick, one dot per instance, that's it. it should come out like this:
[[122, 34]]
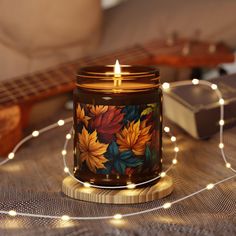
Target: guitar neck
[[61, 79]]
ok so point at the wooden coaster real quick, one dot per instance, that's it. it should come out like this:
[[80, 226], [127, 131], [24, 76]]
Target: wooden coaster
[[75, 190]]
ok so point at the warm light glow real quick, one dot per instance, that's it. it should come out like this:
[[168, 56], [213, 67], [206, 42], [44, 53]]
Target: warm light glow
[[214, 86], [163, 174], [222, 101], [167, 205], [221, 122], [87, 185], [35, 133], [66, 169], [228, 165], [221, 145], [195, 81], [167, 129], [63, 152], [131, 186], [165, 86], [61, 122], [11, 155], [210, 186], [117, 216], [68, 136], [117, 69], [176, 149], [65, 217], [174, 161], [173, 138], [12, 213]]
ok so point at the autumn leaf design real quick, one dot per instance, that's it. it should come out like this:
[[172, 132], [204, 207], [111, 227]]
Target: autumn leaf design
[[134, 137], [98, 110], [119, 161], [81, 115], [108, 124], [131, 112], [91, 150]]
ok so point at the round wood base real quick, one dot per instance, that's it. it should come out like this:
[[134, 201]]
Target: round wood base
[[75, 190]]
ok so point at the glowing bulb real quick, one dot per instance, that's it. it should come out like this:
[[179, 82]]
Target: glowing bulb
[[65, 217], [174, 161], [68, 136], [195, 81], [167, 129], [166, 205], [66, 169], [131, 186], [173, 138], [165, 86], [221, 145], [117, 69], [228, 165], [222, 101], [163, 174], [11, 155], [117, 216], [221, 122], [87, 185], [176, 149], [214, 86], [35, 133], [12, 213], [210, 186], [64, 152], [61, 122]]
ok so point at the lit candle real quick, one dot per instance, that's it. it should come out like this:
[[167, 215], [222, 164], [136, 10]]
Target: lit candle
[[117, 124]]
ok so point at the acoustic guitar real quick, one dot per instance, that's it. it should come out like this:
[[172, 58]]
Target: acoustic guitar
[[17, 95]]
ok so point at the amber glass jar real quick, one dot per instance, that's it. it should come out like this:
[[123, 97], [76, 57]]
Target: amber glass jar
[[117, 125]]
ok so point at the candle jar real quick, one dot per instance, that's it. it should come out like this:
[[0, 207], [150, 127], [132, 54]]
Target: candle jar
[[117, 125]]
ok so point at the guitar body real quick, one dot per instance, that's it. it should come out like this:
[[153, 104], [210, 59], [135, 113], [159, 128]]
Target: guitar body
[[10, 128]]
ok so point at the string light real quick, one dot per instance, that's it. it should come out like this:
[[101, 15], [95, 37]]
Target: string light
[[165, 86], [162, 174], [117, 216], [87, 185], [63, 152], [195, 81], [131, 186], [11, 155], [214, 86], [210, 186], [221, 122], [35, 133], [173, 138]]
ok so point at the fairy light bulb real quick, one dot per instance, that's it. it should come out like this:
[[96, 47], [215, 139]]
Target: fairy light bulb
[[63, 152], [210, 186], [176, 149], [11, 155], [163, 174], [117, 216], [228, 165], [87, 185], [221, 145], [35, 133], [131, 186], [61, 122], [12, 213], [66, 169], [166, 129], [222, 101], [195, 81], [174, 161], [68, 136], [214, 86], [165, 86], [173, 138], [221, 122], [166, 205], [65, 218]]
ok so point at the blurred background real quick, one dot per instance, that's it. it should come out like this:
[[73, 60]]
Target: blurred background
[[38, 34]]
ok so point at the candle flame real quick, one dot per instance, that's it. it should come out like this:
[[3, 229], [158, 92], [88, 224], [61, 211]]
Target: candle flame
[[117, 69]]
